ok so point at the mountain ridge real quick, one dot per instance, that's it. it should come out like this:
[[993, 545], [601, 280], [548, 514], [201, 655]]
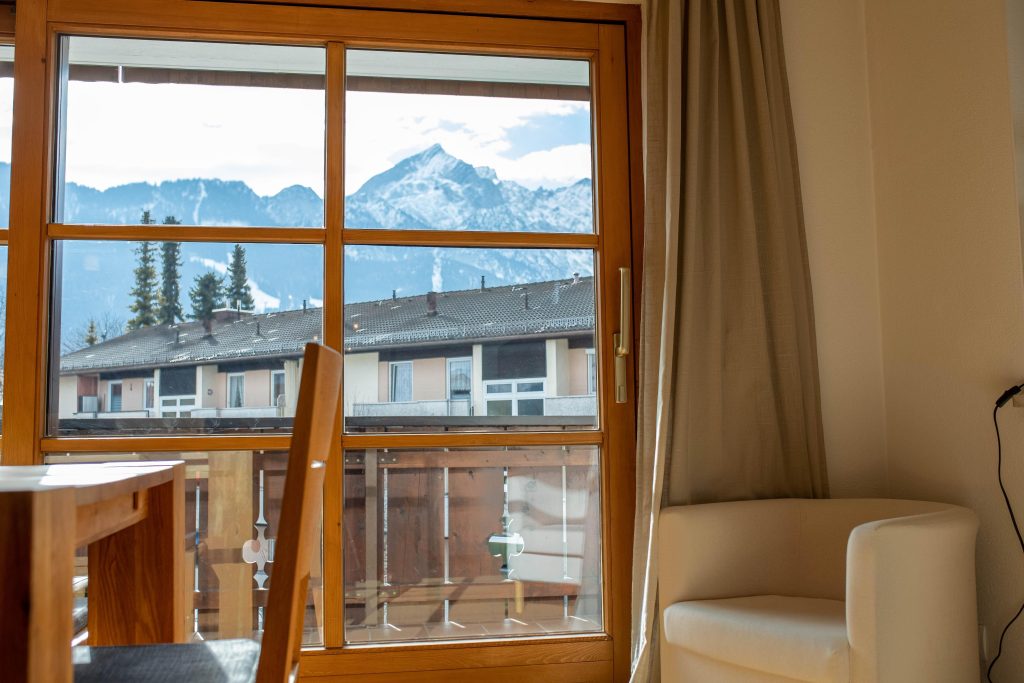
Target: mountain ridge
[[428, 190]]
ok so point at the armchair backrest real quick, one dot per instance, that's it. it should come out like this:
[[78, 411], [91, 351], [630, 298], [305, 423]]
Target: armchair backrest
[[789, 546]]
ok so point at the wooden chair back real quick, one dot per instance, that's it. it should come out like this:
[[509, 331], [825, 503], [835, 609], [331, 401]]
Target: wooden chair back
[[316, 428]]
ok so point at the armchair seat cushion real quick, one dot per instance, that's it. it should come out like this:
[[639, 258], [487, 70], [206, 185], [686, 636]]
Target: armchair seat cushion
[[799, 638]]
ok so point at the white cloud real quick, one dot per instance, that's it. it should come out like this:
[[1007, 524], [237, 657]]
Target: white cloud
[[383, 129], [271, 138], [548, 168], [263, 301]]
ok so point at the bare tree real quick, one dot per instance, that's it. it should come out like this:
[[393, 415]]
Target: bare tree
[[106, 326]]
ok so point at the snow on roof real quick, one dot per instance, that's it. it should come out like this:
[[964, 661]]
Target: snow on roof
[[551, 309]]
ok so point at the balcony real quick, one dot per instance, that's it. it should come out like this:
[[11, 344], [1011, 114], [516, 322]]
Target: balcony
[[450, 408], [562, 406]]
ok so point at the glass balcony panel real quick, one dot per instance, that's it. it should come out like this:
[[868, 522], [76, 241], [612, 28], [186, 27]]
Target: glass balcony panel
[[468, 339], [6, 125], [164, 131], [468, 142], [3, 318], [232, 512], [125, 364], [459, 543]]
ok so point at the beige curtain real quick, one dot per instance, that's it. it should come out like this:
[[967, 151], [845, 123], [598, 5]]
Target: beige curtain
[[729, 405]]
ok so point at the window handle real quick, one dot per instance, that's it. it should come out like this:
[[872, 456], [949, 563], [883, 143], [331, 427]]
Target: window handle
[[623, 339]]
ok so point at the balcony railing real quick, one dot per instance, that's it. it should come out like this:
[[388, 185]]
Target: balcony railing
[[450, 408]]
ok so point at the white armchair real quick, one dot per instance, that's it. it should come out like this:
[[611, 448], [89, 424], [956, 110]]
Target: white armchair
[[830, 591]]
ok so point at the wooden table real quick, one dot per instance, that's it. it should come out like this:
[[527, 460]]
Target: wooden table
[[131, 516]]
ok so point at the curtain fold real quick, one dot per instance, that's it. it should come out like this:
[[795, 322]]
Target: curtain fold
[[729, 404]]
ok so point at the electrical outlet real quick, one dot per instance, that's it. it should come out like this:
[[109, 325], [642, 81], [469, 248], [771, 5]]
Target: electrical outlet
[[983, 643]]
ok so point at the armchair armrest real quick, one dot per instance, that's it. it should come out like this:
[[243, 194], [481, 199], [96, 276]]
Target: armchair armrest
[[911, 604]]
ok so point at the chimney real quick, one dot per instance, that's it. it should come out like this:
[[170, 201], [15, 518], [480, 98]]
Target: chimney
[[177, 336], [575, 278], [258, 329], [394, 295], [431, 304], [526, 299], [483, 283], [303, 305]]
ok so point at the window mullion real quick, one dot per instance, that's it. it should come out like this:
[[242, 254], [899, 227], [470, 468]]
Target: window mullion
[[334, 212]]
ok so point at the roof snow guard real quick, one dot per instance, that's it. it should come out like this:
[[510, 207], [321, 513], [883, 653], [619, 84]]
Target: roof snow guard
[[552, 308]]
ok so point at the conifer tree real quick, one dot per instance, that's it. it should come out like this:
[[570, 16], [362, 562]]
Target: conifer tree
[[144, 292], [238, 292], [91, 335], [207, 295], [147, 219], [170, 288]]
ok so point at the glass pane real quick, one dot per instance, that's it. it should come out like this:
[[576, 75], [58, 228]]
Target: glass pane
[[232, 512], [471, 543], [521, 319], [467, 142], [3, 318], [195, 133], [6, 121], [244, 312]]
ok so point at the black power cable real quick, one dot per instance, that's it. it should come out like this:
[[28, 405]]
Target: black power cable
[[1000, 402]]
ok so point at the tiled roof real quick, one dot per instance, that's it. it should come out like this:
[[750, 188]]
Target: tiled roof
[[551, 308]]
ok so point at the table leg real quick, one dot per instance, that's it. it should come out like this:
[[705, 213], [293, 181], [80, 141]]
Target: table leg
[[137, 576], [37, 548]]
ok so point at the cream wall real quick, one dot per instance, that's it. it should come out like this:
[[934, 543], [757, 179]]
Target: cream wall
[[904, 128], [950, 268], [429, 381], [257, 388], [825, 55]]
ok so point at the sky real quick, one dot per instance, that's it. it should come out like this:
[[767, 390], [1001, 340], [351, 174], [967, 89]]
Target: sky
[[272, 138]]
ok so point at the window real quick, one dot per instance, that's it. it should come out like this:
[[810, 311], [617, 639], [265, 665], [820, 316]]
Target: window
[[172, 139], [503, 314], [236, 390], [514, 398], [460, 378], [591, 372], [452, 213], [6, 116], [201, 133], [99, 331], [177, 406], [277, 395], [114, 397], [401, 382]]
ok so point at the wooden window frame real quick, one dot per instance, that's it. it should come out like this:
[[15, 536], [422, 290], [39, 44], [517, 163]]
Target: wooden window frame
[[608, 35]]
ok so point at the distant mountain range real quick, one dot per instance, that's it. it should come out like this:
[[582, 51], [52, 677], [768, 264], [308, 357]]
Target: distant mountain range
[[429, 190]]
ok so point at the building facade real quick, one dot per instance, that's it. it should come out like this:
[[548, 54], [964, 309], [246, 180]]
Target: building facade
[[512, 351]]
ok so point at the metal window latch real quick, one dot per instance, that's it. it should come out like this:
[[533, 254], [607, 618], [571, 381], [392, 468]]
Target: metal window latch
[[623, 339]]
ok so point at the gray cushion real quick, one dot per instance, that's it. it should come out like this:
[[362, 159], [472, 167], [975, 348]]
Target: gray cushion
[[216, 661]]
